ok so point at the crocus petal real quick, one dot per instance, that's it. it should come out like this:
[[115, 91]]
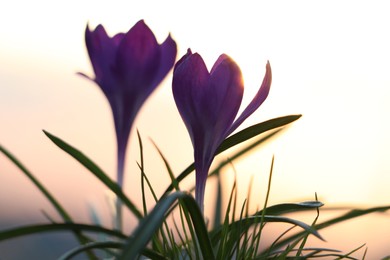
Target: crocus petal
[[168, 50], [190, 76], [261, 95], [227, 84], [138, 57], [101, 51]]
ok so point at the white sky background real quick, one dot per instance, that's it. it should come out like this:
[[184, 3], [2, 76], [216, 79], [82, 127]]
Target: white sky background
[[330, 62]]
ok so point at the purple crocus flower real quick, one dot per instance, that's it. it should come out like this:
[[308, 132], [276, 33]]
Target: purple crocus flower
[[208, 103], [128, 67]]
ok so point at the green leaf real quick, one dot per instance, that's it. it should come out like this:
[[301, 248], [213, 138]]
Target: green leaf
[[153, 221], [247, 222], [285, 208], [104, 246], [36, 229], [94, 245], [347, 216], [93, 168], [218, 204], [255, 130]]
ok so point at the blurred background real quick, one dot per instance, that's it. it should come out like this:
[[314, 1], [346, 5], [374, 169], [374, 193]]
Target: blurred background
[[330, 63]]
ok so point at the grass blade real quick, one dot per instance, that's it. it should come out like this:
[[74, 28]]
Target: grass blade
[[35, 229], [255, 130], [246, 222], [93, 168], [95, 245], [285, 208], [152, 222], [104, 246], [61, 211], [347, 216], [65, 216]]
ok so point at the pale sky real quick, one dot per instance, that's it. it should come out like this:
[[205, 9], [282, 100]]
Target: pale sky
[[330, 63]]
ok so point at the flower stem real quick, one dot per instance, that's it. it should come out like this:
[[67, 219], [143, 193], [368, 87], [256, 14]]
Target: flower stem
[[199, 191], [120, 173]]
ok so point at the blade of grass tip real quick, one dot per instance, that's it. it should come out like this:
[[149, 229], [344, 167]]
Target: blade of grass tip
[[255, 239], [347, 216], [269, 250], [155, 241], [61, 211], [304, 226], [246, 235], [312, 252], [280, 209], [306, 236], [47, 216], [96, 170], [245, 150], [149, 184], [365, 253], [150, 223], [238, 236], [157, 244], [242, 136], [219, 238], [351, 252], [235, 200], [65, 216], [142, 173], [174, 183], [254, 219], [267, 196], [289, 249], [218, 204], [232, 233], [255, 130]]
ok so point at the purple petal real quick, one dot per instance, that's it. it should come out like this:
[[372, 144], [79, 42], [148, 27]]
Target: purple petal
[[226, 91], [168, 50], [117, 39], [101, 51], [138, 57], [257, 100], [190, 77]]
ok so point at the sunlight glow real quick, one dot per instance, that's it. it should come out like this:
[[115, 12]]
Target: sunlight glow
[[330, 63]]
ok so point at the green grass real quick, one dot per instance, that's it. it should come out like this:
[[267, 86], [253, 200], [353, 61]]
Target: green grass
[[175, 228]]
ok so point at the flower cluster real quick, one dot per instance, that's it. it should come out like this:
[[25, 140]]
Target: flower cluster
[[128, 67]]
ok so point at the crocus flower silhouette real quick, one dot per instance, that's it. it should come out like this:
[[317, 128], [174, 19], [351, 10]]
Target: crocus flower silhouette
[[128, 67], [208, 103]]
